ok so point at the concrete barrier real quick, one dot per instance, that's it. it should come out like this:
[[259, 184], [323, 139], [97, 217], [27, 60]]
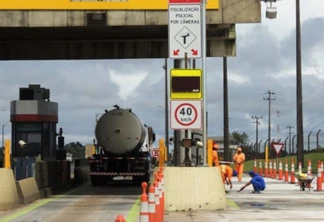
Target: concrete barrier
[[9, 195], [193, 188], [27, 190]]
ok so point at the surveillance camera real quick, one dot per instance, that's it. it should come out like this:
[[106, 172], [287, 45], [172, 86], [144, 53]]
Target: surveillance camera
[[22, 143]]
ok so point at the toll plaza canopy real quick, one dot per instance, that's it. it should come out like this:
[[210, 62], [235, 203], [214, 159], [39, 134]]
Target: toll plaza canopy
[[94, 5]]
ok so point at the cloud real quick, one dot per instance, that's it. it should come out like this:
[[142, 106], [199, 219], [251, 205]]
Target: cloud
[[128, 83], [265, 61]]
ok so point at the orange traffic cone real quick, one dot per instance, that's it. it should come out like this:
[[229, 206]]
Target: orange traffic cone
[[274, 170], [260, 168], [286, 171], [280, 170], [270, 169], [157, 201], [255, 166], [299, 167], [319, 177], [144, 214], [160, 198], [266, 171], [162, 191], [309, 168], [120, 218], [151, 202]]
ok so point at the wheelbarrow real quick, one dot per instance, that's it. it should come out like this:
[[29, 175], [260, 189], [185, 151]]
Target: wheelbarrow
[[305, 182]]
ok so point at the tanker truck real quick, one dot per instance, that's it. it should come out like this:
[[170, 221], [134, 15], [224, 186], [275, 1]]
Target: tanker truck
[[123, 148]]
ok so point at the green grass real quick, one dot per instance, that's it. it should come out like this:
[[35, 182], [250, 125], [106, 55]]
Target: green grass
[[314, 157]]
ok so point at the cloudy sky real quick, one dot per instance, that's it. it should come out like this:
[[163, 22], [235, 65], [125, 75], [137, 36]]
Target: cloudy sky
[[265, 61]]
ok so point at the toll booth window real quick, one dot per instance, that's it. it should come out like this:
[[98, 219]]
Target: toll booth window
[[185, 84]]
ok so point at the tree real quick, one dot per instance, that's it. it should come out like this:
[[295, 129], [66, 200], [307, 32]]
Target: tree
[[240, 138], [77, 150]]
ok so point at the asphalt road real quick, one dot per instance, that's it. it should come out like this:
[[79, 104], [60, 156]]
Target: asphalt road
[[85, 203]]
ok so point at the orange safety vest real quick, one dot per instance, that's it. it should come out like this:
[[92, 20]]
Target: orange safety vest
[[215, 158], [239, 158]]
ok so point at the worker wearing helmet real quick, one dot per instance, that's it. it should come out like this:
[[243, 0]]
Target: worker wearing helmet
[[239, 159], [215, 155], [227, 173]]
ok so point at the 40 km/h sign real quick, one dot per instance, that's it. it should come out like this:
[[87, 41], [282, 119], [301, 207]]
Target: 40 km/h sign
[[185, 114]]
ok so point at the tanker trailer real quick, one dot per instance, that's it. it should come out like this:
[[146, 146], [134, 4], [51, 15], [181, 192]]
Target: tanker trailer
[[123, 148]]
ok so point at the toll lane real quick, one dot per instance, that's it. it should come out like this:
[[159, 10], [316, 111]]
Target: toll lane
[[85, 203]]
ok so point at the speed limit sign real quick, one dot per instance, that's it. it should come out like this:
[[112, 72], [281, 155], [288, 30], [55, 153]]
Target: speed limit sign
[[185, 114]]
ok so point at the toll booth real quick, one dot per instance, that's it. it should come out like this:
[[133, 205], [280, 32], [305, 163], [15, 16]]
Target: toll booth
[[34, 118]]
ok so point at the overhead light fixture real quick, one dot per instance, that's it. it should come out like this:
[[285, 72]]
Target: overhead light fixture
[[271, 12]]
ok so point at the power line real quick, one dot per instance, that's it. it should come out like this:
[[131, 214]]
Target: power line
[[317, 116]]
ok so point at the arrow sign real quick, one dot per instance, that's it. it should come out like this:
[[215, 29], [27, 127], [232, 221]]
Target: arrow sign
[[176, 52], [277, 147], [194, 52]]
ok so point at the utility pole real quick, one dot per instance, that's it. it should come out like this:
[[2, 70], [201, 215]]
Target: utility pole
[[166, 100], [226, 127], [256, 133], [289, 127], [286, 143], [300, 128], [269, 98], [293, 144]]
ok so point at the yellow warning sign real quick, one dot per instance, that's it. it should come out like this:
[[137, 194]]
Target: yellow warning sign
[[91, 4]]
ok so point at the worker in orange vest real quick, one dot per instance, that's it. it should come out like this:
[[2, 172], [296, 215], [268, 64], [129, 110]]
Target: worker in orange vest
[[239, 158], [227, 173], [215, 155]]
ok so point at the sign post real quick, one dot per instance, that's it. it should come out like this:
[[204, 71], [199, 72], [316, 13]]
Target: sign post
[[187, 40], [204, 40]]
